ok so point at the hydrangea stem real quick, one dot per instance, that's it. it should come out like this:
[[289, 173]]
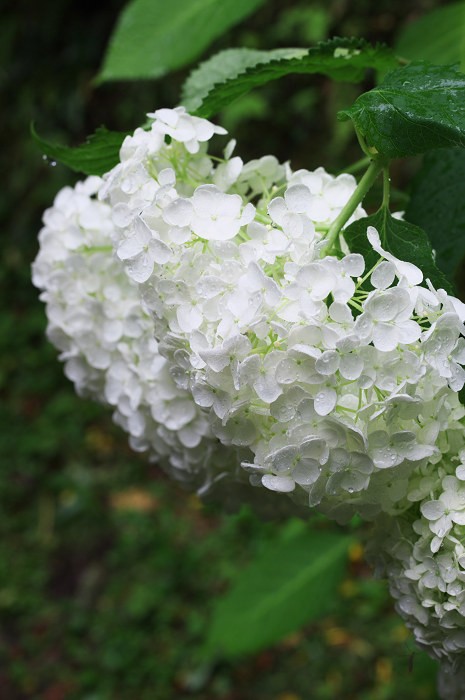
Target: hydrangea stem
[[365, 184], [386, 187]]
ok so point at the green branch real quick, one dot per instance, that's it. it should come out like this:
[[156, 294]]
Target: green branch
[[363, 187]]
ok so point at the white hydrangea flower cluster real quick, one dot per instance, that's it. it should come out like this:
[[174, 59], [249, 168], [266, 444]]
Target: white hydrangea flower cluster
[[329, 374], [422, 554], [197, 297]]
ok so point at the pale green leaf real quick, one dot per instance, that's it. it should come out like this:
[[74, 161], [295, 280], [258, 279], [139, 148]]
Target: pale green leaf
[[437, 36], [153, 37], [291, 583]]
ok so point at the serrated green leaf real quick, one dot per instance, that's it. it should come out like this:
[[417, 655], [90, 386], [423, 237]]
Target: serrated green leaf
[[233, 73], [153, 37], [437, 36], [437, 204], [97, 156], [293, 581], [417, 108], [227, 65], [401, 238]]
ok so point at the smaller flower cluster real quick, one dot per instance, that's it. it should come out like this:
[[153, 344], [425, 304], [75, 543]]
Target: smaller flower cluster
[[422, 554]]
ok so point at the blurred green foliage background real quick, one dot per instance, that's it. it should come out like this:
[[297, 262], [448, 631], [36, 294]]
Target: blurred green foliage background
[[108, 571]]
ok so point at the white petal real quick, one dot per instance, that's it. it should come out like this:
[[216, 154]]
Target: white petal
[[278, 483], [306, 472], [277, 210], [432, 510], [140, 268], [351, 366], [383, 276], [178, 213], [266, 388], [325, 401], [248, 214], [283, 459], [315, 448], [385, 337], [340, 312], [411, 272], [298, 199], [383, 306], [189, 317], [409, 332], [353, 264], [159, 251], [129, 248], [328, 362]]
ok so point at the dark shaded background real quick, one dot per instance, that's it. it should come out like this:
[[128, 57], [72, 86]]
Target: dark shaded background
[[108, 570]]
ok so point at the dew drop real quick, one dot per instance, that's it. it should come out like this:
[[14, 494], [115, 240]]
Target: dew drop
[[48, 160]]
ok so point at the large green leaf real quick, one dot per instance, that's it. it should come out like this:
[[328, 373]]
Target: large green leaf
[[153, 37], [437, 36], [418, 107], [401, 238], [97, 156], [437, 204], [292, 582], [232, 73]]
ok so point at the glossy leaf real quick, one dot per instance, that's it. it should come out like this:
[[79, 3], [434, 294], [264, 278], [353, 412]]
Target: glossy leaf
[[233, 73], [153, 37], [437, 36], [417, 108], [97, 156], [401, 238], [292, 582], [437, 204]]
